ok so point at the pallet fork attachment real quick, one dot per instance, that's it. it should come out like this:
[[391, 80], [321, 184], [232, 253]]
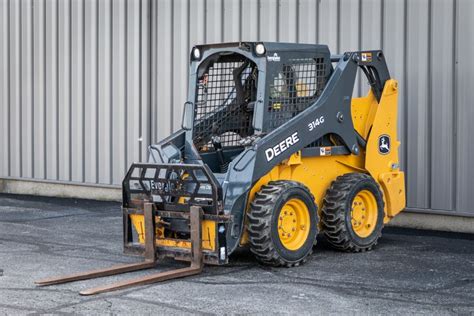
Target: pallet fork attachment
[[195, 218]]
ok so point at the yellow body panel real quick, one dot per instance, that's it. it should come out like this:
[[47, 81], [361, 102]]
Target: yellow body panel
[[208, 234], [385, 169], [371, 120], [393, 185]]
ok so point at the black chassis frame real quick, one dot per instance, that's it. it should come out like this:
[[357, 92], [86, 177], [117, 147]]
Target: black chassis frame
[[251, 164]]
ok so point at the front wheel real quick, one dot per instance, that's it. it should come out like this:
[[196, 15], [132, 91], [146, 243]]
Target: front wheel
[[282, 223]]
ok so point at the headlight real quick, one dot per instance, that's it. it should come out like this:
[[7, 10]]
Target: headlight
[[196, 53], [260, 49]]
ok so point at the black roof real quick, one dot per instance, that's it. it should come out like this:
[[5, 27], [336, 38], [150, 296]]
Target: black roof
[[276, 46], [270, 46]]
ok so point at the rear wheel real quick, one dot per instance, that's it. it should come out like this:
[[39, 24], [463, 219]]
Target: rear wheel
[[282, 223], [352, 213]]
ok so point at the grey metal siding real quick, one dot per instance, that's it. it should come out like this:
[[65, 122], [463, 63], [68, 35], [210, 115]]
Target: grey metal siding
[[463, 106], [74, 86], [86, 85]]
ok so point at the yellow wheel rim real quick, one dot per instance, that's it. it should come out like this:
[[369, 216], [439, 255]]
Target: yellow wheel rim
[[294, 224], [364, 213]]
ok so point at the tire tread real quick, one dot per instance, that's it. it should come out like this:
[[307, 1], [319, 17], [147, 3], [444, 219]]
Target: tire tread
[[260, 219], [333, 213]]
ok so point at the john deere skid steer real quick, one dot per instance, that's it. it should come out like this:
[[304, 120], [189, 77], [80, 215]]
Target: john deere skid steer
[[273, 150]]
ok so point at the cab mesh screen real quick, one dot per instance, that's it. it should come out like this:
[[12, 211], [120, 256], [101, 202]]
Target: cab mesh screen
[[222, 104], [299, 83]]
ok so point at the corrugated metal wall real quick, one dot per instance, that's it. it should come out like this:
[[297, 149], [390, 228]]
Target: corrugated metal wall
[[86, 85], [74, 88]]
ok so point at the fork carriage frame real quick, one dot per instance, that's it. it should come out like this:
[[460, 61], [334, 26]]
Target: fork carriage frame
[[215, 257], [150, 259], [163, 185]]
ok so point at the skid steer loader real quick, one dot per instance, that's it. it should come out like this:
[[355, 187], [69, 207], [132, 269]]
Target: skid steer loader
[[273, 150]]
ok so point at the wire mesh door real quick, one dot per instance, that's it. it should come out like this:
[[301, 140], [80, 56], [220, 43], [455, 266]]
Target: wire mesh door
[[224, 102], [295, 87]]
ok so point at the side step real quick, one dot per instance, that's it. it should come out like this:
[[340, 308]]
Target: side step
[[196, 266]]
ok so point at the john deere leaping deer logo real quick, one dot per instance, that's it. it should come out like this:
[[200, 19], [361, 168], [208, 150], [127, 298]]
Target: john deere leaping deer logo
[[384, 144]]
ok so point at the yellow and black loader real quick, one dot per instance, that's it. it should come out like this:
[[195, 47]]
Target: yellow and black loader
[[273, 150]]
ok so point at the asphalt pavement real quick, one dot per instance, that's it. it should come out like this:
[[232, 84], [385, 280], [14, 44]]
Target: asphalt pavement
[[410, 272]]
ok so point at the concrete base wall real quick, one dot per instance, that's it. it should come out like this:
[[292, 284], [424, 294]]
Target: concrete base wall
[[447, 223], [114, 193], [61, 189]]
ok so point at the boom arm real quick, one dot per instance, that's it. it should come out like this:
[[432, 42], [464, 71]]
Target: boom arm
[[330, 114]]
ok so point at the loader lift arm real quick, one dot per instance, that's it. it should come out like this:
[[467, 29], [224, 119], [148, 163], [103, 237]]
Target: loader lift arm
[[331, 106]]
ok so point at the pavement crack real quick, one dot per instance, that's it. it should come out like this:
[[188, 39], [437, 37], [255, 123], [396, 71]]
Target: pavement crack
[[109, 303]]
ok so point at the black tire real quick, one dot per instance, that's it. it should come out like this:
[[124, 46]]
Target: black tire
[[336, 214], [263, 220]]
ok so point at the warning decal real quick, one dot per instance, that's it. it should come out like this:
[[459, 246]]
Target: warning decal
[[366, 57]]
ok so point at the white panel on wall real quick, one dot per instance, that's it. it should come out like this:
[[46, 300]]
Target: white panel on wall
[[15, 105], [104, 92], [4, 89], [77, 91], [464, 117], [162, 74], [307, 21], [288, 24], [181, 56], [231, 20], [26, 90], [328, 24], [417, 141], [91, 104], [250, 20], [268, 20], [51, 159], [132, 113], [38, 100], [214, 20], [64, 90], [145, 64], [441, 95]]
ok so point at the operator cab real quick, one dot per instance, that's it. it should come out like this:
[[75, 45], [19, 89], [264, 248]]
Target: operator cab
[[245, 90]]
